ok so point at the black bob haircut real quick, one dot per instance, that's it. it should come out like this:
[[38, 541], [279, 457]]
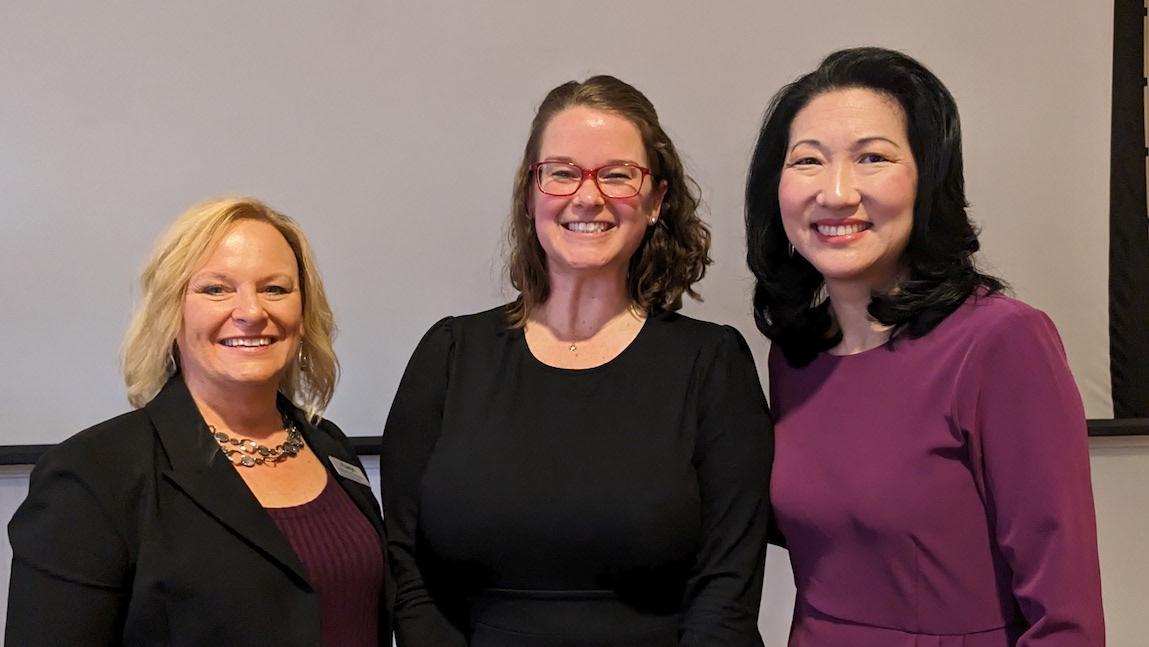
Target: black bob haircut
[[790, 305]]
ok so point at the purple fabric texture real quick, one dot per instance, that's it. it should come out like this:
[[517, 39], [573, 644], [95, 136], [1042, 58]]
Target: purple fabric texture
[[937, 491], [344, 562]]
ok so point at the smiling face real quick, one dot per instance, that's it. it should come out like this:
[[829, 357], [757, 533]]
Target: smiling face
[[243, 311], [847, 189], [587, 232]]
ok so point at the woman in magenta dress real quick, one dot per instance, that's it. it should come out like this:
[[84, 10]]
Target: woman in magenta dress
[[931, 478]]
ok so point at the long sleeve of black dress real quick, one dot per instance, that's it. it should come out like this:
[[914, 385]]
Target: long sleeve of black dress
[[413, 428], [624, 505]]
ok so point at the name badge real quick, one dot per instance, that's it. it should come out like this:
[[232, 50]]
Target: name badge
[[349, 471]]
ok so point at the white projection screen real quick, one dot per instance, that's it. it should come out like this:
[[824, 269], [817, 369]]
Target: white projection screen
[[356, 117]]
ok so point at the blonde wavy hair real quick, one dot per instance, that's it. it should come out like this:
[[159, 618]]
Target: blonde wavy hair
[[150, 356]]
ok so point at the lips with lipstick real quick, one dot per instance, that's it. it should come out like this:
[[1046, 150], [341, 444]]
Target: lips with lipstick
[[581, 227]]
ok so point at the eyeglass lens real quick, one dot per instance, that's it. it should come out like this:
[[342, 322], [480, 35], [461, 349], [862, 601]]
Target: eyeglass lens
[[615, 181]]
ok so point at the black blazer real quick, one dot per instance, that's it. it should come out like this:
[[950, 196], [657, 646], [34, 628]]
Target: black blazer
[[139, 532]]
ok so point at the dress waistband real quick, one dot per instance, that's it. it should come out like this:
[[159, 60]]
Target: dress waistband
[[567, 618]]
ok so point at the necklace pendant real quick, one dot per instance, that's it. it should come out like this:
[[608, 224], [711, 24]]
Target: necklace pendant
[[573, 348]]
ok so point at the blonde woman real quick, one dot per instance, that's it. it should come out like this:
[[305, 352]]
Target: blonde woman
[[223, 510]]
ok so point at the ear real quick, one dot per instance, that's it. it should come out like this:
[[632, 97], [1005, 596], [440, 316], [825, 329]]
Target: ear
[[657, 198], [529, 205], [302, 311]]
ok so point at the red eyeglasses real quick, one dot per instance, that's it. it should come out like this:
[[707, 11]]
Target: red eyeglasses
[[612, 180]]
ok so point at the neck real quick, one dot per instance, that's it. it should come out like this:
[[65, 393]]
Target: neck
[[248, 410], [860, 331], [579, 306]]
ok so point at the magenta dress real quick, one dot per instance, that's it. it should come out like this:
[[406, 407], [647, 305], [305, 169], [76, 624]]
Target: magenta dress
[[936, 492]]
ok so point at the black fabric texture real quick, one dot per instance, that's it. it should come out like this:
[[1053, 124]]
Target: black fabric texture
[[621, 505], [1128, 218]]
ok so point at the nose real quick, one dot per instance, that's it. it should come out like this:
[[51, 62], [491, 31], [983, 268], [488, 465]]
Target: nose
[[248, 308], [840, 188], [588, 193]]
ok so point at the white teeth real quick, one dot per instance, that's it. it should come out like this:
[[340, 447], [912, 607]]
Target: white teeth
[[842, 230], [247, 341], [587, 227]]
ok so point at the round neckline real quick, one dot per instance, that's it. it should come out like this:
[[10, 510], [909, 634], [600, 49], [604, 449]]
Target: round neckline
[[901, 338], [642, 332], [301, 508], [880, 346]]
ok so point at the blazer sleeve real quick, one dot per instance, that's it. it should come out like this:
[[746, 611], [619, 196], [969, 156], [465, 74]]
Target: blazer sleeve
[[1018, 396], [733, 455], [409, 438], [70, 562]]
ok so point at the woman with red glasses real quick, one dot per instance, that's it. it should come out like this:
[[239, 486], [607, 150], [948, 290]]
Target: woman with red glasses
[[583, 466]]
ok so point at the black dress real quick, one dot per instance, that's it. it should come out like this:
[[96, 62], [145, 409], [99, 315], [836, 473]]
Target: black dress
[[626, 504]]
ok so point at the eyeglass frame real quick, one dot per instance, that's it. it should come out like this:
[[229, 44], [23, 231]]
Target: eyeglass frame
[[591, 173]]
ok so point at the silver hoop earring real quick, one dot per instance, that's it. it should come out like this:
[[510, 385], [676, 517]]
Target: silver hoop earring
[[790, 249], [172, 365]]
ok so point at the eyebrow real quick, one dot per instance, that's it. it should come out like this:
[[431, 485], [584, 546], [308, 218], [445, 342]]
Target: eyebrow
[[210, 275], [570, 160], [876, 138], [857, 144], [220, 276]]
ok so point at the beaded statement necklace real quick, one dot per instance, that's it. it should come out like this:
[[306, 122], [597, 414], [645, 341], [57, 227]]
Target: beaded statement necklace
[[246, 452]]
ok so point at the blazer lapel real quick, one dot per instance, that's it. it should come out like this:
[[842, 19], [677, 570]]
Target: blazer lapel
[[200, 470], [326, 447]]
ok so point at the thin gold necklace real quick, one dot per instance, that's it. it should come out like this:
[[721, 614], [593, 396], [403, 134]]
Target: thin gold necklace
[[574, 346]]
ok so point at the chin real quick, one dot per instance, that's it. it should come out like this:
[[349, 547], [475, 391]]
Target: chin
[[256, 376], [591, 266], [840, 273], [581, 264], [834, 266], [873, 275]]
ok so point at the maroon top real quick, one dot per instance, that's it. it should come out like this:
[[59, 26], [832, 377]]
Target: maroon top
[[937, 491], [343, 557]]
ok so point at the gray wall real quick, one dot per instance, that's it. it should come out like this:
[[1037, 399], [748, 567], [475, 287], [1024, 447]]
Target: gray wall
[[118, 115]]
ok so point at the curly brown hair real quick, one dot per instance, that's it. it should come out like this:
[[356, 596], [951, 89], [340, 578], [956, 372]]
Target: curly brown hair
[[674, 252]]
